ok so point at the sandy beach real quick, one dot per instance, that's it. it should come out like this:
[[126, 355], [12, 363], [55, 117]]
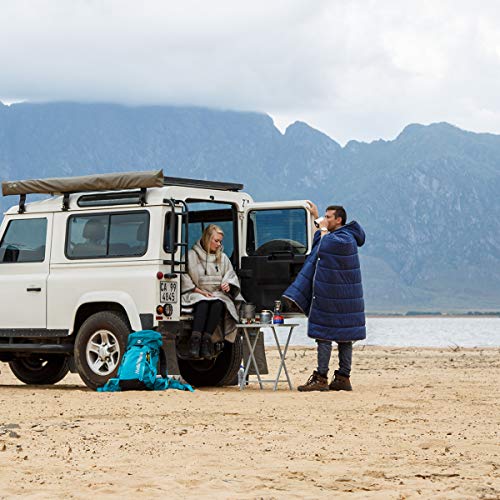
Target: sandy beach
[[420, 423]]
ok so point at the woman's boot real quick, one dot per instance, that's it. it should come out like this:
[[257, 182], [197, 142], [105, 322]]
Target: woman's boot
[[206, 346], [194, 344]]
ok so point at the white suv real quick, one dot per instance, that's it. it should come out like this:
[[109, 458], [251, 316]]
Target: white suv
[[82, 269]]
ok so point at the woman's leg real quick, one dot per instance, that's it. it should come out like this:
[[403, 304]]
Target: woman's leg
[[215, 311], [200, 316], [216, 307]]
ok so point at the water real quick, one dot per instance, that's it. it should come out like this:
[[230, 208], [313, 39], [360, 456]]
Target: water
[[415, 332]]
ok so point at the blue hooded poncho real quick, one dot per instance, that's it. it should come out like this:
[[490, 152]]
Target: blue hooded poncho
[[328, 288]]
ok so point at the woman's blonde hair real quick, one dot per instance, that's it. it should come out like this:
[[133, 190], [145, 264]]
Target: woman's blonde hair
[[206, 238]]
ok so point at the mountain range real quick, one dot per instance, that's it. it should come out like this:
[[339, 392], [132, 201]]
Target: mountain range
[[429, 200]]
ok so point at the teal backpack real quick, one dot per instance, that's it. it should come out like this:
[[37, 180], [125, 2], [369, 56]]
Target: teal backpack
[[142, 361]]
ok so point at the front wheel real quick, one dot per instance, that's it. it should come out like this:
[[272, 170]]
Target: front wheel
[[223, 370], [45, 369], [99, 347]]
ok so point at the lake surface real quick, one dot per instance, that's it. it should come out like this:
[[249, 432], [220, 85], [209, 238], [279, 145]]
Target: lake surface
[[418, 332]]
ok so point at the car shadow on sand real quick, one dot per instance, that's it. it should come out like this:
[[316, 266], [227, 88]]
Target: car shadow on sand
[[57, 387]]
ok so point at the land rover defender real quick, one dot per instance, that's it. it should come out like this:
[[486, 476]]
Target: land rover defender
[[103, 256]]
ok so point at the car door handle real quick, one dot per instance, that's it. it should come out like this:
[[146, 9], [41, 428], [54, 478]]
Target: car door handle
[[33, 289]]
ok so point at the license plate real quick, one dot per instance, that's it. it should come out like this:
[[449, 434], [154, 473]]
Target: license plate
[[169, 292]]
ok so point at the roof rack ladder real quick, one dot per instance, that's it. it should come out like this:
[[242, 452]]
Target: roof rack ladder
[[182, 263], [184, 235]]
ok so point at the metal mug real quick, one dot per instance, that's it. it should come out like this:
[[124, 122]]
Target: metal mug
[[318, 221], [266, 316], [247, 311]]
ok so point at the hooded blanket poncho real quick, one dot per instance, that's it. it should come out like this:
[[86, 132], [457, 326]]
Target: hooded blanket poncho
[[328, 288], [206, 273]]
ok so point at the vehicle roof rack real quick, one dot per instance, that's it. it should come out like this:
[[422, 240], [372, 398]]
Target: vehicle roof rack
[[196, 183], [106, 182]]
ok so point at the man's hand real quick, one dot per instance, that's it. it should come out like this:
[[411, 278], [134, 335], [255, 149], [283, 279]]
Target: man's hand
[[225, 287], [313, 209], [323, 224]]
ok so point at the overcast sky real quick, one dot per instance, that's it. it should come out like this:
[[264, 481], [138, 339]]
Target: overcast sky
[[353, 69]]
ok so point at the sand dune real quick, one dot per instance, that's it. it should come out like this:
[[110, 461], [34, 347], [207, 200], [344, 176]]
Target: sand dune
[[420, 423]]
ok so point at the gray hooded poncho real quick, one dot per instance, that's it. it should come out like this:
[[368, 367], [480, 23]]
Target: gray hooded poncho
[[206, 273]]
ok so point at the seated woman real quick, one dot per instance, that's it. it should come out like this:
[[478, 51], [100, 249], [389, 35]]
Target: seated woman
[[212, 287]]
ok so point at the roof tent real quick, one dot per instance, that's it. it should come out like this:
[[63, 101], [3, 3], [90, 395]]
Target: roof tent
[[67, 185], [101, 182]]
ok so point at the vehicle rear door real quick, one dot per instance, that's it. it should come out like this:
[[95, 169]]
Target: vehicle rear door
[[277, 238]]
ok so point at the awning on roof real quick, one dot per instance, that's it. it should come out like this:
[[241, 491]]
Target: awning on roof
[[99, 182]]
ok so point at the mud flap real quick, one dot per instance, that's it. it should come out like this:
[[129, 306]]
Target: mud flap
[[260, 352], [170, 352]]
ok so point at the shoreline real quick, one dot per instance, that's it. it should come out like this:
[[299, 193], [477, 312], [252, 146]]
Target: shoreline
[[422, 316], [373, 347]]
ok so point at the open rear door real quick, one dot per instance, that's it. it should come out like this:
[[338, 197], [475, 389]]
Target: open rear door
[[277, 238]]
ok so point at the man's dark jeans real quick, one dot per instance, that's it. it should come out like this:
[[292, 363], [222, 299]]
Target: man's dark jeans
[[325, 352]]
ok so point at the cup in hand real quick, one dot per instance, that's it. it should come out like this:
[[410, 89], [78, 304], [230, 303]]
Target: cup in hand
[[318, 221]]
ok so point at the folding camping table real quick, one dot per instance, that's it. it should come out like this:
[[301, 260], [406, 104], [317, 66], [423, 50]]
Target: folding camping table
[[245, 327]]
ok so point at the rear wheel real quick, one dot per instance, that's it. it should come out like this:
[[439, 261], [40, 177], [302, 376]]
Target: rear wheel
[[41, 369], [99, 347], [223, 370]]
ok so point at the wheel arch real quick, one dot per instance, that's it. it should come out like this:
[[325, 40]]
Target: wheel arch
[[92, 303]]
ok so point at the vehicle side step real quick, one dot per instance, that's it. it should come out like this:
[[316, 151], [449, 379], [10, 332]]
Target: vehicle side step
[[38, 348]]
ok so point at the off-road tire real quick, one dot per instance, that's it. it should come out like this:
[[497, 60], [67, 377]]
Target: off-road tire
[[221, 371], [110, 321], [40, 369]]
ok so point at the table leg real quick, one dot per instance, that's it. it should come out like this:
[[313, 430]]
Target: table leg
[[251, 358], [282, 357]]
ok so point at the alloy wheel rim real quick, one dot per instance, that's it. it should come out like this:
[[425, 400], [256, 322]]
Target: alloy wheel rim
[[103, 352]]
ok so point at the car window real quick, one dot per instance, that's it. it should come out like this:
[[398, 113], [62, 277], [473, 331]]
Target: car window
[[277, 230], [128, 234], [24, 241], [107, 235], [168, 245], [203, 213]]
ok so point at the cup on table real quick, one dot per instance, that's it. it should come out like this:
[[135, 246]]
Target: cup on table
[[266, 316]]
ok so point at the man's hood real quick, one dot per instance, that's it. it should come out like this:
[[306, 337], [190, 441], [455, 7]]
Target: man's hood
[[357, 232]]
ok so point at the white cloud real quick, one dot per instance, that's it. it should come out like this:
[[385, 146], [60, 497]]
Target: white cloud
[[354, 69]]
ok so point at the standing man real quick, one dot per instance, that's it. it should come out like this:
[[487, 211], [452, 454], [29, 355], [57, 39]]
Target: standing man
[[328, 290]]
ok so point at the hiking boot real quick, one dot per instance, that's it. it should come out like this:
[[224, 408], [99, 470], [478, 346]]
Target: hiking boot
[[206, 346], [316, 382], [194, 345], [340, 383]]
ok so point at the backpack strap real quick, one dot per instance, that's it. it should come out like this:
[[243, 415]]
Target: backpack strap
[[163, 362]]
